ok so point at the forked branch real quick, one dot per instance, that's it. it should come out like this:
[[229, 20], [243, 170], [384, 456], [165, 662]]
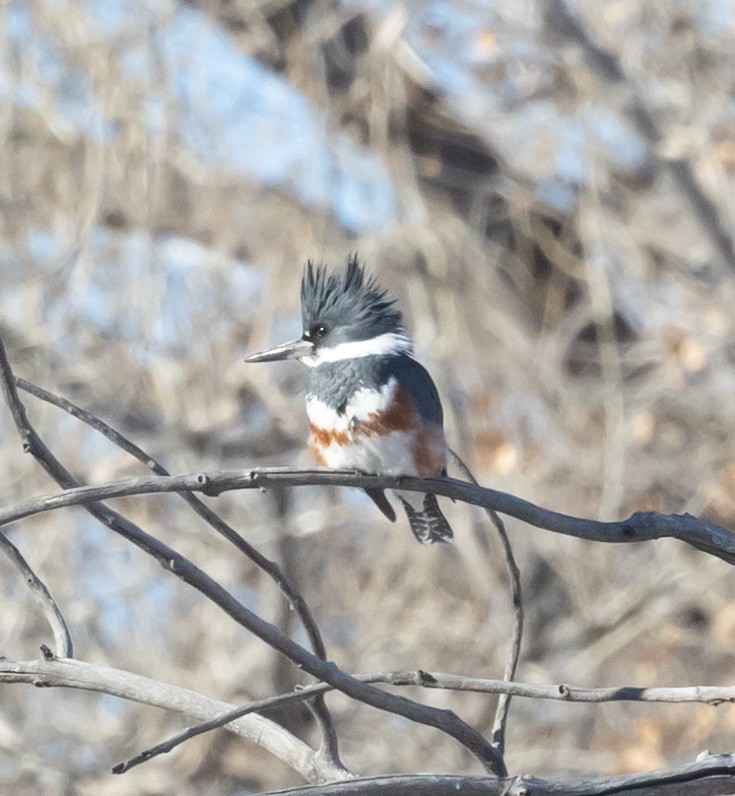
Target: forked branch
[[296, 601]]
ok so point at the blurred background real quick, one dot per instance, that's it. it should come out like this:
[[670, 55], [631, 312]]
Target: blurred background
[[556, 221]]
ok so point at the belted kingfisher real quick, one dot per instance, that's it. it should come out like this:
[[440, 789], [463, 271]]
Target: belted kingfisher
[[371, 406]]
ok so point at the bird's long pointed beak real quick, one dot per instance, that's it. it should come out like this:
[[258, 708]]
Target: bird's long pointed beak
[[291, 350]]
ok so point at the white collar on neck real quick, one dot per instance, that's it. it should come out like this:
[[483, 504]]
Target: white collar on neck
[[382, 345]]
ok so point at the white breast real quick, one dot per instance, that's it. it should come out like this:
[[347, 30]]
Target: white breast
[[362, 404], [389, 454]]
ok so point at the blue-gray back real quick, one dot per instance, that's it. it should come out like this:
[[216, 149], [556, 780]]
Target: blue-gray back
[[334, 383]]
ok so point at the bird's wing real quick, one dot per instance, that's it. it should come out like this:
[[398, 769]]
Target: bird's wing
[[415, 380]]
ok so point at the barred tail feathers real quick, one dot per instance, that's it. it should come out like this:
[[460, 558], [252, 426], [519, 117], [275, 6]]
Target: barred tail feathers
[[429, 525]]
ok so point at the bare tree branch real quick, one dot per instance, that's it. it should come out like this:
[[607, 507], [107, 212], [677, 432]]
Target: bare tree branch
[[708, 695], [514, 577], [67, 673], [711, 776], [62, 638], [224, 719], [642, 526], [296, 601]]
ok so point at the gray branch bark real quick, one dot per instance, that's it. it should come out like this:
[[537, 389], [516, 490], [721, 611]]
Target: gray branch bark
[[66, 673], [642, 526], [712, 776], [62, 637], [709, 695]]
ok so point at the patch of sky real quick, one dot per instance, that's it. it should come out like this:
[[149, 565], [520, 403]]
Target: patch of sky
[[198, 286], [715, 17], [357, 194], [454, 21], [451, 75], [20, 34], [570, 140], [235, 112], [135, 62], [341, 631], [113, 18], [230, 111], [108, 706], [122, 606], [623, 144], [570, 151], [42, 245], [198, 282], [18, 25], [76, 104], [246, 595], [556, 193], [577, 137], [43, 65]]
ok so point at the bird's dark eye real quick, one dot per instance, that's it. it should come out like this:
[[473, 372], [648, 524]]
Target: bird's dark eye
[[318, 331]]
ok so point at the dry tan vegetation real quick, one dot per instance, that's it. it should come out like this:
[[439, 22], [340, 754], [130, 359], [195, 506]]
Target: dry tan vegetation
[[585, 352]]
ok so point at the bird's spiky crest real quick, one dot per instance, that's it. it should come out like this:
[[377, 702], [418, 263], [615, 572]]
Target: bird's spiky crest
[[352, 297]]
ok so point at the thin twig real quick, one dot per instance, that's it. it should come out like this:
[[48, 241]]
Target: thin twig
[[293, 697], [444, 720], [62, 638], [293, 596], [514, 653], [303, 694], [705, 694]]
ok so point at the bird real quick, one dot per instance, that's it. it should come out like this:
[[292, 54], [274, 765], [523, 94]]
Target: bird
[[371, 405]]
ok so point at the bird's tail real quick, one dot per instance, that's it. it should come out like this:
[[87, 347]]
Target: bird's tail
[[429, 525], [381, 501]]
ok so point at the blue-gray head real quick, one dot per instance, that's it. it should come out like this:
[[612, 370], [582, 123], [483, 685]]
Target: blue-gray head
[[345, 315]]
